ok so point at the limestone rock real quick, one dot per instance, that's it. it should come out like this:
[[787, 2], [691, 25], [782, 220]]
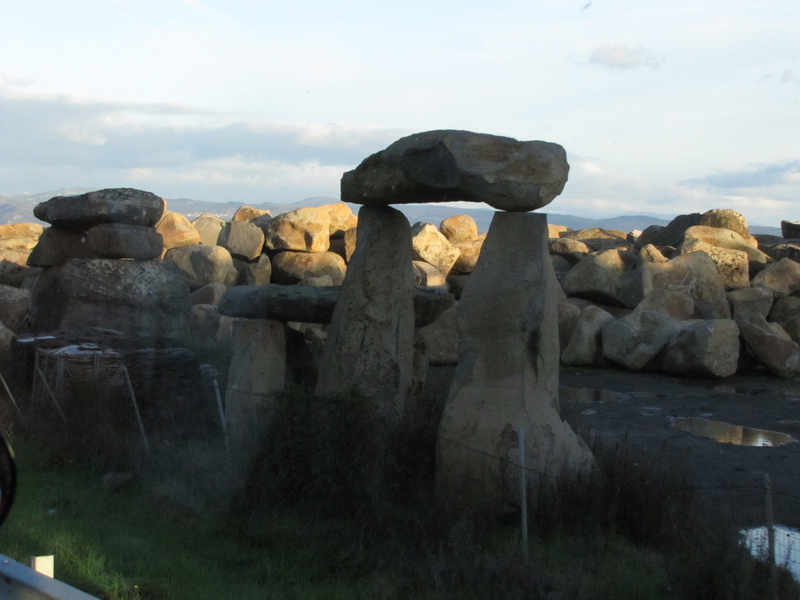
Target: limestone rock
[[247, 213], [781, 278], [290, 267], [177, 231], [370, 347], [732, 265], [256, 273], [431, 246], [117, 205], [459, 229], [58, 245], [722, 238], [572, 250], [650, 253], [469, 253], [120, 240], [749, 302], [555, 231], [242, 239], [428, 275], [146, 300], [597, 276], [204, 264], [13, 306], [341, 218], [209, 228], [771, 345], [440, 166], [674, 305], [208, 294], [598, 239], [635, 340], [726, 218], [703, 349], [506, 384], [585, 347], [306, 229]]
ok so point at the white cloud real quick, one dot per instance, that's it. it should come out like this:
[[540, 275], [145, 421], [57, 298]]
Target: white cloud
[[788, 76], [7, 80], [623, 57]]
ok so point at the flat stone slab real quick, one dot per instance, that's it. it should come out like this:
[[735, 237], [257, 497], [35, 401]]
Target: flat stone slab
[[451, 165], [313, 304], [115, 205]]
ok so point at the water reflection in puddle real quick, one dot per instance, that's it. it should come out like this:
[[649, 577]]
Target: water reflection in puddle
[[589, 395], [787, 546], [728, 433]]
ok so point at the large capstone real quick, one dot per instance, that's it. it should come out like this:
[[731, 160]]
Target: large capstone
[[370, 347], [116, 205], [447, 165], [506, 382]]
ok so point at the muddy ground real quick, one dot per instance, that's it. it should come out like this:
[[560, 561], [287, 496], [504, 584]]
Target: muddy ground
[[729, 478]]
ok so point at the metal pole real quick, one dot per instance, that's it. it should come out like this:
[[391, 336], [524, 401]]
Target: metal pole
[[10, 395], [51, 394], [773, 571], [136, 409], [222, 417], [523, 492]]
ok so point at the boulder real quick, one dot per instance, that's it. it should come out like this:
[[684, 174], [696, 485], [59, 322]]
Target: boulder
[[459, 229], [208, 294], [58, 245], [318, 281], [781, 278], [349, 243], [18, 243], [247, 213], [674, 305], [568, 316], [781, 249], [13, 269], [722, 238], [770, 345], [440, 166], [428, 275], [144, 300], [732, 266], [13, 306], [21, 230], [6, 338], [177, 231], [597, 277], [204, 264], [703, 349], [290, 267], [256, 273], [555, 231], [598, 239], [651, 236], [672, 233], [506, 383], [306, 229], [441, 338], [650, 253], [786, 313], [572, 250], [585, 347], [204, 321], [120, 240], [469, 253], [242, 239], [118, 205], [431, 246], [748, 302], [370, 347], [208, 227], [790, 229], [725, 218], [561, 266], [341, 218], [633, 341]]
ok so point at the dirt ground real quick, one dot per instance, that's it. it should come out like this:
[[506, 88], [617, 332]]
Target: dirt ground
[[640, 407]]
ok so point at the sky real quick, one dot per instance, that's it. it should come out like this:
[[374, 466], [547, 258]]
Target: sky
[[663, 106]]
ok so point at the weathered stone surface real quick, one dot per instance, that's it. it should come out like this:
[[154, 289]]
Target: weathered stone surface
[[13, 306], [555, 231], [748, 302], [204, 264], [726, 218], [650, 253], [568, 315], [790, 229], [573, 250], [428, 275], [117, 205], [786, 313], [6, 337], [177, 231], [469, 253], [257, 371], [722, 238], [148, 300], [242, 239], [672, 233], [208, 227], [459, 229], [208, 294], [456, 284], [441, 338], [703, 349], [732, 266], [313, 304], [561, 266], [370, 346], [597, 277], [585, 346], [120, 240], [257, 273], [769, 344], [319, 281], [598, 239], [431, 246], [306, 229], [341, 217], [12, 268], [248, 213], [651, 236], [18, 243], [21, 230], [350, 238], [781, 278], [57, 245], [674, 305], [781, 249], [204, 321], [440, 166], [290, 267], [506, 384], [633, 341]]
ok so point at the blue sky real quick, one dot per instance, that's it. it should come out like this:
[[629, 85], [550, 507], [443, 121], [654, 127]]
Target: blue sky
[[663, 106]]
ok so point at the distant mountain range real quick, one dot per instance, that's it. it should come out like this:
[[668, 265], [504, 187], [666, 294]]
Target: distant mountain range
[[19, 209]]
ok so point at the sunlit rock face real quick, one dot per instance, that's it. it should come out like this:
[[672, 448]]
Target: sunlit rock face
[[447, 165], [506, 382]]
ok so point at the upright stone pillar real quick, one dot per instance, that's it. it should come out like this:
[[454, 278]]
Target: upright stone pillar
[[370, 347], [506, 381]]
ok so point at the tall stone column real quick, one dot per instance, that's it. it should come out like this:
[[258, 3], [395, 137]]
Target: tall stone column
[[506, 381], [370, 347]]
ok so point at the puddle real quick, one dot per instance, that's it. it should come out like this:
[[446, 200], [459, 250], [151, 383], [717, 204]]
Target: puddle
[[787, 546], [589, 395], [728, 433]]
